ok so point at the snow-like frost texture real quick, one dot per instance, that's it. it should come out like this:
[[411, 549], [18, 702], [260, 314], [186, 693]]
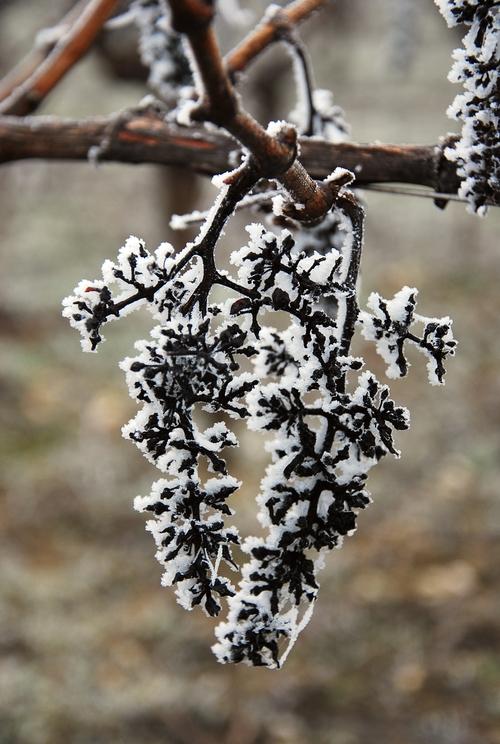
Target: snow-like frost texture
[[476, 66], [160, 49], [391, 325], [325, 435], [126, 285]]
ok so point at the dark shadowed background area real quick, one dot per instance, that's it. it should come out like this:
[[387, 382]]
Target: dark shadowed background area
[[404, 646]]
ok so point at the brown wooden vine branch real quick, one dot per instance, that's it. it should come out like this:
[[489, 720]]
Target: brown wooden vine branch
[[27, 96], [274, 154], [30, 63], [266, 33], [147, 138]]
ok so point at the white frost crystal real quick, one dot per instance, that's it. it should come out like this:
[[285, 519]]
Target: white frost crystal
[[477, 67], [325, 439]]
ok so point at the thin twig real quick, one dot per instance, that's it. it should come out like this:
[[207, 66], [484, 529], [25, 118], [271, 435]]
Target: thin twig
[[288, 35], [183, 221], [32, 61], [401, 191], [68, 50], [301, 59], [266, 33]]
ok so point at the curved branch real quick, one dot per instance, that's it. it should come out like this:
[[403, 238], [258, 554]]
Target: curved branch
[[40, 51], [69, 49], [147, 138], [267, 32], [273, 150]]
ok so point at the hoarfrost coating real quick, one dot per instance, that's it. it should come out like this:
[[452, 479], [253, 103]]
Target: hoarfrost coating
[[325, 438], [476, 66]]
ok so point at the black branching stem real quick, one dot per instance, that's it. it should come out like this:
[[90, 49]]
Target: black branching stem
[[238, 183], [350, 205]]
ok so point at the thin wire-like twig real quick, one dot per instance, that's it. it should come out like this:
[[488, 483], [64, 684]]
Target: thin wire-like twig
[[266, 33], [424, 193], [182, 221]]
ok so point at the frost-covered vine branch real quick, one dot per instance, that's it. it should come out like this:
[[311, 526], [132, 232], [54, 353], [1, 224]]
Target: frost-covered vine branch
[[146, 138], [45, 42]]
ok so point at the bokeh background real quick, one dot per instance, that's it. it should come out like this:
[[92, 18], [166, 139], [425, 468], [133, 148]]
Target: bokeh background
[[404, 646]]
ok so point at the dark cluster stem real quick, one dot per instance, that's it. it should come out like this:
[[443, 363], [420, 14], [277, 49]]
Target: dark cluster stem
[[239, 183], [350, 205]]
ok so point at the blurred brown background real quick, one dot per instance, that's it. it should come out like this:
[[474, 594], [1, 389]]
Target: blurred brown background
[[404, 646]]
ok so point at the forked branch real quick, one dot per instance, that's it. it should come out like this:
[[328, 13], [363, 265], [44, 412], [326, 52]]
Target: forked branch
[[268, 32], [275, 151]]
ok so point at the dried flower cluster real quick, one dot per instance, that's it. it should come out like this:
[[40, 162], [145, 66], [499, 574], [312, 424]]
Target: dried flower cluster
[[477, 68], [327, 433]]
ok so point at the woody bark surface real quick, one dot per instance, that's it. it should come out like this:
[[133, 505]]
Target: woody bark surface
[[266, 33], [272, 156], [73, 44], [40, 51], [147, 138]]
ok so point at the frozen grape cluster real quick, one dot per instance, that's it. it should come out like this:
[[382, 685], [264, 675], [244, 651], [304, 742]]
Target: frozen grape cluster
[[477, 67], [326, 419]]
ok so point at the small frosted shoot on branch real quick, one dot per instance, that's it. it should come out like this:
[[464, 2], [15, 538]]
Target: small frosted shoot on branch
[[390, 326]]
